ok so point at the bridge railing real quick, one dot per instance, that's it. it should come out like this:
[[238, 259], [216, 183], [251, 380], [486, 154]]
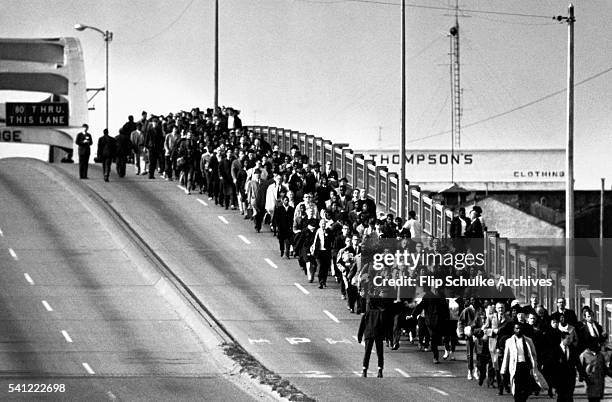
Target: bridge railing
[[502, 256]]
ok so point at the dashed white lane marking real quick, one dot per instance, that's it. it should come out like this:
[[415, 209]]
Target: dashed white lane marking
[[66, 336], [88, 368], [270, 263], [331, 316], [244, 239], [402, 373], [111, 396], [439, 391], [302, 289], [28, 278], [1, 233], [222, 219], [13, 253], [47, 305], [201, 201]]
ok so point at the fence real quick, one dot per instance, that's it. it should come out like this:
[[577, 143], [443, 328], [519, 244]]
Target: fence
[[502, 257]]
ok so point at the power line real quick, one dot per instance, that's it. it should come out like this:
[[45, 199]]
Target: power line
[[495, 116], [165, 29], [429, 7]]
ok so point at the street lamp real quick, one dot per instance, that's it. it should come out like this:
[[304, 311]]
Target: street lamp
[[108, 37]]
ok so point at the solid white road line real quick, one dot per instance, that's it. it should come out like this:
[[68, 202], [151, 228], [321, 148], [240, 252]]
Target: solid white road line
[[47, 305], [201, 201], [331, 316], [297, 285], [68, 338], [88, 368], [181, 187], [222, 219], [402, 373], [270, 263], [244, 239], [29, 279], [439, 391], [13, 253]]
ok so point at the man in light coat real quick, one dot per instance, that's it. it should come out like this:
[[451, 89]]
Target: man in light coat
[[520, 361], [273, 197]]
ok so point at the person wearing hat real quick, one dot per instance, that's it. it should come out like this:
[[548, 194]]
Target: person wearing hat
[[84, 141], [475, 229]]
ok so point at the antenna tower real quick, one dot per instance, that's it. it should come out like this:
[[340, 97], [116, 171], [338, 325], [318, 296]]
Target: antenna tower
[[456, 90]]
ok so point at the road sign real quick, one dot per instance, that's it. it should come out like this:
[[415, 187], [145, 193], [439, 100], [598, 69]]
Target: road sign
[[37, 114]]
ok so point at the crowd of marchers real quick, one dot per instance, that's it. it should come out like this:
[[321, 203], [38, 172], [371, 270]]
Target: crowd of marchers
[[324, 224]]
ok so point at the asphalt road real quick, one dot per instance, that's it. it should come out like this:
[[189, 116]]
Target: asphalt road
[[300, 332], [295, 329], [77, 318]]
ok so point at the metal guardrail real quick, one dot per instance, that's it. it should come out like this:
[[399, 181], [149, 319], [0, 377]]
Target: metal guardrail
[[502, 257]]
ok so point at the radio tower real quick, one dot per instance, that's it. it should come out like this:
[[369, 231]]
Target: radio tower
[[455, 73]]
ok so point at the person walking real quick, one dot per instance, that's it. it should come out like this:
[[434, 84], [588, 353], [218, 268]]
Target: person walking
[[494, 324], [283, 222], [154, 142], [84, 141], [593, 368], [226, 180], [520, 361], [321, 249], [170, 144], [565, 365], [107, 146], [124, 148], [436, 317], [469, 320], [137, 138], [372, 329]]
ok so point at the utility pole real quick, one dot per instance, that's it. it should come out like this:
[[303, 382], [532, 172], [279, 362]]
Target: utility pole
[[570, 273], [401, 185], [601, 232], [216, 100]]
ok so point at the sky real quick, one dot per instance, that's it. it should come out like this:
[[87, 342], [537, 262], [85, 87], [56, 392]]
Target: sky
[[332, 68]]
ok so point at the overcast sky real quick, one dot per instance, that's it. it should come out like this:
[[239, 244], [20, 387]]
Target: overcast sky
[[332, 68]]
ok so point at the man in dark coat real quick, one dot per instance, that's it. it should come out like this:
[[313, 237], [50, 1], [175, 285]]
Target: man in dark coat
[[154, 142], [570, 315], [124, 148], [283, 222], [129, 126], [225, 178], [372, 329], [436, 316], [212, 176], [565, 365], [84, 141], [260, 203], [107, 146]]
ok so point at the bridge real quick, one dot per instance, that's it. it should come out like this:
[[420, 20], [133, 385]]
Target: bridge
[[52, 71], [503, 256]]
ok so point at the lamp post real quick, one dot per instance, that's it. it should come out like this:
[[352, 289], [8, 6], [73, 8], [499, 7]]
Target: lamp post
[[108, 37]]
